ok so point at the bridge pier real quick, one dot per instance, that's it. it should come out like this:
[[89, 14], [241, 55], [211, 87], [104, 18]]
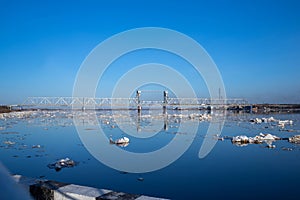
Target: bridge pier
[[139, 108], [83, 105], [138, 95], [166, 123], [165, 102]]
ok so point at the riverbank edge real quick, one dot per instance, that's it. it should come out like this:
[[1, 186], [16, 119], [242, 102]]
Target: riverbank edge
[[53, 190]]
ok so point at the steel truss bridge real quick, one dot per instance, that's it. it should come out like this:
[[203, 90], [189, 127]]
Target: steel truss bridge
[[86, 102]]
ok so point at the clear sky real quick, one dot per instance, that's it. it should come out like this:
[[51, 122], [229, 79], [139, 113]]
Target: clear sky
[[255, 44]]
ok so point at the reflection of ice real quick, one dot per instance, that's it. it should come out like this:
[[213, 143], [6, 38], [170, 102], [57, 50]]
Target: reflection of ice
[[123, 145], [144, 122]]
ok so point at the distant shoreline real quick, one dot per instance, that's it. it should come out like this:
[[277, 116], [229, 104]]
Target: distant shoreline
[[275, 107], [4, 109]]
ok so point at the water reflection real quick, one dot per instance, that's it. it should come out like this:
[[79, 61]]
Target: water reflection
[[30, 141]]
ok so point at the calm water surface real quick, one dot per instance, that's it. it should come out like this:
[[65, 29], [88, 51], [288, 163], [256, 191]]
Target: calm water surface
[[228, 171]]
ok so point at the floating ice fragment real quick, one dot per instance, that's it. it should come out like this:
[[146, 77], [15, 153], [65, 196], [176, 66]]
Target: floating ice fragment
[[62, 163], [216, 137], [271, 146], [140, 179], [282, 123], [9, 142], [295, 139], [240, 139], [270, 137], [286, 149], [267, 138], [256, 120], [123, 142], [270, 119]]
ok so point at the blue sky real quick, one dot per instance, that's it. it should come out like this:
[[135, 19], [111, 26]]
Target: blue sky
[[255, 44]]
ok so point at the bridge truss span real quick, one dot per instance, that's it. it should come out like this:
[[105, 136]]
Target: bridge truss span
[[91, 102]]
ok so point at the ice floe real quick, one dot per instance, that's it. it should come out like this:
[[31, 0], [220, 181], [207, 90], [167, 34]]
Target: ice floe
[[123, 142], [258, 139], [295, 139], [9, 142], [280, 123], [62, 163]]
